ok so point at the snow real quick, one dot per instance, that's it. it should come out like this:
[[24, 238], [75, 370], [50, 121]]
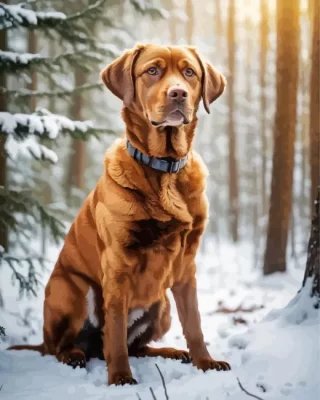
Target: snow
[[274, 354], [49, 125], [19, 58], [21, 15], [29, 147]]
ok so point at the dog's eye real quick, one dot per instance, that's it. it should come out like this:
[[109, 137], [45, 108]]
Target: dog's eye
[[152, 71], [189, 72]]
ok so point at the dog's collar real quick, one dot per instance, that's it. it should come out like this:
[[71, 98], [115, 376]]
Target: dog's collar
[[169, 165]]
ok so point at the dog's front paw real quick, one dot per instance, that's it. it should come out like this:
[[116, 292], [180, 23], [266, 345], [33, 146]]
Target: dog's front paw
[[208, 363], [74, 357], [121, 378]]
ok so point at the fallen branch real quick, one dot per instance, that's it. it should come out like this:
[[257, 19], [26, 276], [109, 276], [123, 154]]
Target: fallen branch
[[248, 393], [225, 310], [163, 383]]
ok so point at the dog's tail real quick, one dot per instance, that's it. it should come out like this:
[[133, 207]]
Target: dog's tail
[[38, 347]]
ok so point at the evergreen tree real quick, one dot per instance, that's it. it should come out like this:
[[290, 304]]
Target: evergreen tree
[[34, 131]]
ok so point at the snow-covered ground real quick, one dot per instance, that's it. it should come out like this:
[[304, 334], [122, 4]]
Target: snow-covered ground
[[274, 354]]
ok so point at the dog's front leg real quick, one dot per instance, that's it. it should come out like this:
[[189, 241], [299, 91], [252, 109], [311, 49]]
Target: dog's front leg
[[185, 295], [115, 347]]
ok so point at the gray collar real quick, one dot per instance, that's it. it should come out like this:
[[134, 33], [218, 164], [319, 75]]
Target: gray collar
[[169, 165]]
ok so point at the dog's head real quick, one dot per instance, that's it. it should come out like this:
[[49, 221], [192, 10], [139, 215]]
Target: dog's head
[[165, 83]]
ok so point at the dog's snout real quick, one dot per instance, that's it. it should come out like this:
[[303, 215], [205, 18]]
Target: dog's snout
[[177, 93]]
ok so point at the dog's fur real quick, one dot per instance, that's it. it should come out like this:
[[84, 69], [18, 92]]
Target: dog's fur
[[138, 231]]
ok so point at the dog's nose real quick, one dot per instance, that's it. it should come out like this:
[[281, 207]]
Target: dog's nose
[[177, 93]]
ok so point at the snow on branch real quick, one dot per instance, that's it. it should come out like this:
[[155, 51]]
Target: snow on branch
[[12, 62], [17, 15], [71, 28], [30, 147], [45, 125], [63, 93]]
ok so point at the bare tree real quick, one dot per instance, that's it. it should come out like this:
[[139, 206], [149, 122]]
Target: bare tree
[[233, 168], [284, 135], [315, 106]]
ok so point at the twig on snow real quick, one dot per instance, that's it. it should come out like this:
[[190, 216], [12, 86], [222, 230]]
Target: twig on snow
[[152, 394], [163, 383], [139, 398], [225, 310], [248, 393]]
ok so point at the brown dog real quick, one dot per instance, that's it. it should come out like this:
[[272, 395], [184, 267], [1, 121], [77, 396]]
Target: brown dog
[[138, 231]]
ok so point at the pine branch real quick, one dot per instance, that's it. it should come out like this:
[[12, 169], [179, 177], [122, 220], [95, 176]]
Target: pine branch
[[13, 16], [25, 93], [145, 9], [47, 126], [91, 11], [28, 283], [71, 28], [11, 62], [14, 203]]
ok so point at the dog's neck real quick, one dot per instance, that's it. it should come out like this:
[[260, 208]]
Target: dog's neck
[[160, 142]]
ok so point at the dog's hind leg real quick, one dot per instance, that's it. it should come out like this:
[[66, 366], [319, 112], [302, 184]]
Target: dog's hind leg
[[165, 352], [65, 310]]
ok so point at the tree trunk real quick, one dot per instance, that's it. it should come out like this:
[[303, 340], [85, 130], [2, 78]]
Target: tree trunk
[[233, 169], [32, 48], [78, 152], [190, 23], [172, 23], [315, 106], [264, 30], [284, 135], [3, 156], [313, 258], [218, 21]]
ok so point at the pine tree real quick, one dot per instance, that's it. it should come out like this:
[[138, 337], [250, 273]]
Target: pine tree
[[35, 131]]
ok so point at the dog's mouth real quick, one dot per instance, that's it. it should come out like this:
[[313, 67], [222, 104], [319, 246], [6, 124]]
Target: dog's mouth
[[174, 118]]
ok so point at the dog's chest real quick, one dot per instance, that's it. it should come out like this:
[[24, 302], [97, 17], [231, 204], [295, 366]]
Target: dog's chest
[[152, 233]]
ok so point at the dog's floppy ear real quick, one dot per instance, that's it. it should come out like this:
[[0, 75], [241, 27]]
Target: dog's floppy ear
[[118, 76], [213, 83]]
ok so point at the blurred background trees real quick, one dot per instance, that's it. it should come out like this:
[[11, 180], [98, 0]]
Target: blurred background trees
[[260, 142]]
